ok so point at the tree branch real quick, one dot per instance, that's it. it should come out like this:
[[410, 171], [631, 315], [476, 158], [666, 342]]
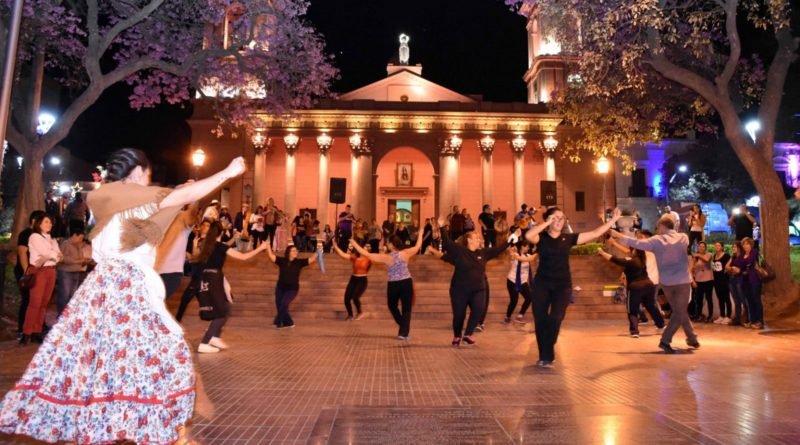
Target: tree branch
[[723, 80], [773, 93], [92, 60], [131, 21]]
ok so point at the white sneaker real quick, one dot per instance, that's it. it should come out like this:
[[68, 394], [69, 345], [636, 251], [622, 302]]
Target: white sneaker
[[726, 320], [719, 320], [218, 343], [205, 348]]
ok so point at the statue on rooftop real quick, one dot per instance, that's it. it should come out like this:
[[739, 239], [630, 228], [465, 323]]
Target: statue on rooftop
[[405, 51]]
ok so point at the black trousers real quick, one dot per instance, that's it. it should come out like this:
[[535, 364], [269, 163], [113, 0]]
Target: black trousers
[[460, 300], [25, 295], [344, 240], [172, 281], [703, 291], [513, 297], [550, 302], [191, 290], [489, 238], [401, 292], [723, 291], [485, 306], [643, 296], [283, 298], [269, 232], [694, 237], [216, 325], [355, 289]]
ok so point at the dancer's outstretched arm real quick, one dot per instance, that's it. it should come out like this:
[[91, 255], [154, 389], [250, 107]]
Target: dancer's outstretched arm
[[411, 251], [235, 254], [585, 237], [532, 235], [270, 252], [374, 257], [198, 189], [340, 253]]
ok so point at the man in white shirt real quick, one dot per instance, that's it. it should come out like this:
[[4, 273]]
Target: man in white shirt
[[675, 217], [212, 211]]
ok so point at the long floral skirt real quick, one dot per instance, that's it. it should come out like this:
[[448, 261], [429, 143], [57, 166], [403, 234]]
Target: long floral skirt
[[110, 369]]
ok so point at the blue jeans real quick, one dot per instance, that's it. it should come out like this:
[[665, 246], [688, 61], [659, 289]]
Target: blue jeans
[[68, 283], [283, 297], [752, 290], [739, 300]]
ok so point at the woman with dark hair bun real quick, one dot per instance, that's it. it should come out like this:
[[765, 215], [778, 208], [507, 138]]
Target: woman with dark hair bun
[[552, 286], [141, 387], [400, 288], [288, 285]]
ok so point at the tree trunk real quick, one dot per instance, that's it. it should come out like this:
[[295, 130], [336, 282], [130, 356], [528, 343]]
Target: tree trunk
[[781, 296], [31, 194]]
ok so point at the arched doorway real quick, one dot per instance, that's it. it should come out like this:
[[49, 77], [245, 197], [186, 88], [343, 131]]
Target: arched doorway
[[405, 187]]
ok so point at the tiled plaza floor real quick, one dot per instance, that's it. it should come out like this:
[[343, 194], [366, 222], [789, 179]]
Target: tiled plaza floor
[[340, 382]]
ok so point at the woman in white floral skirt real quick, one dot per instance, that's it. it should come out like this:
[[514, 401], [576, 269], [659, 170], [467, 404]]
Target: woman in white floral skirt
[[116, 366]]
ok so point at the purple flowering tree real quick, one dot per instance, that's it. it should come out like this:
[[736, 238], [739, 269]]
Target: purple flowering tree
[[641, 70], [240, 55]]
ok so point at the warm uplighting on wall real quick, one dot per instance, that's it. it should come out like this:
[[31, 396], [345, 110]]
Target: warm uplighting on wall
[[486, 144], [355, 141], [455, 142]]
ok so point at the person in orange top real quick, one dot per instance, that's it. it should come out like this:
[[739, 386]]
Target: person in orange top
[[358, 282]]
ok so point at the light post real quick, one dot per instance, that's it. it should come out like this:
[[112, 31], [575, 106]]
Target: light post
[[752, 127], [603, 166], [198, 159]]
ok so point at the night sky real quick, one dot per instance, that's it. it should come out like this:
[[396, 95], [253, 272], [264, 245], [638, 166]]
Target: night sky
[[470, 46]]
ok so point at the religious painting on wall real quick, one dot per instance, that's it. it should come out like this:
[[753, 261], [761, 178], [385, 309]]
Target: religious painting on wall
[[405, 174]]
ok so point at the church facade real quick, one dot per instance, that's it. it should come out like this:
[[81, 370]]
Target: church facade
[[410, 149]]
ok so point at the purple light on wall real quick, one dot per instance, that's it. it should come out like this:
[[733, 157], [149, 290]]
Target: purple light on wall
[[794, 170]]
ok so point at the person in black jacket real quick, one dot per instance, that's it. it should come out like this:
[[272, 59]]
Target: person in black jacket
[[468, 285], [640, 289]]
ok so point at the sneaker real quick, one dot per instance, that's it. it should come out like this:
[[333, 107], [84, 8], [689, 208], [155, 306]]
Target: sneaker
[[349, 318], [469, 340], [480, 327], [402, 337], [206, 348], [644, 322], [746, 324], [520, 319], [634, 335], [693, 343], [660, 330], [456, 341], [507, 320], [218, 343], [666, 347], [756, 326], [719, 320], [544, 363], [360, 316]]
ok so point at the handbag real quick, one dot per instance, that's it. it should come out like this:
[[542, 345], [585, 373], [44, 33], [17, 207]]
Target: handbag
[[28, 279], [765, 272], [212, 298]]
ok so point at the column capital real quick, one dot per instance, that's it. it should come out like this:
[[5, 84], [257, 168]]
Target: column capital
[[486, 145], [549, 146], [360, 146], [450, 146], [324, 144], [518, 145], [292, 143]]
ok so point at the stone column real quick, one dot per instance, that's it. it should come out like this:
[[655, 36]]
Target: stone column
[[324, 145], [549, 146], [290, 200], [518, 149], [361, 195], [486, 146], [259, 174], [449, 175]]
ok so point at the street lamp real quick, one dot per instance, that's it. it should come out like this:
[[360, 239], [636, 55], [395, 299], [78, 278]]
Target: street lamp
[[752, 127], [681, 169], [55, 161], [198, 159], [46, 121], [603, 167]]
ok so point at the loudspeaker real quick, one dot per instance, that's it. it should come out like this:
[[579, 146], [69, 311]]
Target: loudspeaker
[[548, 193], [338, 190]]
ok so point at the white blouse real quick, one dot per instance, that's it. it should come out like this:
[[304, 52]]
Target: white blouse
[[42, 246]]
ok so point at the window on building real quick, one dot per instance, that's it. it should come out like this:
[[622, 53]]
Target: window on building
[[580, 201]]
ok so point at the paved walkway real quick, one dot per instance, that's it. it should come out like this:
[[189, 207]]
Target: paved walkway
[[354, 383]]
